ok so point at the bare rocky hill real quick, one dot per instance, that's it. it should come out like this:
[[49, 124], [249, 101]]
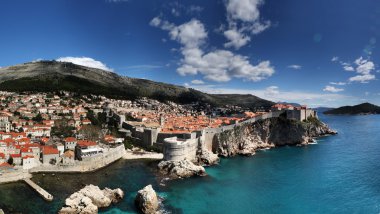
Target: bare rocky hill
[[46, 76]]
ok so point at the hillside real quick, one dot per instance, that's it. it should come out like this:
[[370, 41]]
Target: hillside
[[364, 108], [46, 76]]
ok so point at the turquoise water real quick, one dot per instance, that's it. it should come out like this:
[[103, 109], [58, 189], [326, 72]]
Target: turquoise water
[[341, 174]]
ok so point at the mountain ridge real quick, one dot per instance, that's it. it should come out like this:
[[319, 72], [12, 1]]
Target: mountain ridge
[[44, 76]]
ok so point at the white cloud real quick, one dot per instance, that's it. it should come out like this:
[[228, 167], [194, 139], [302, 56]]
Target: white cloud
[[197, 82], [236, 39], [272, 90], [338, 83], [155, 22], [85, 61], [295, 67], [363, 68], [367, 93], [362, 78], [243, 18], [191, 34], [348, 68], [216, 65], [335, 59], [245, 10], [332, 89]]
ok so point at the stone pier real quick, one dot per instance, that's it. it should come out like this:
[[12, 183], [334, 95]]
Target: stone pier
[[40, 191]]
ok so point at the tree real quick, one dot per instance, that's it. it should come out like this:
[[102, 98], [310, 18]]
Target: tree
[[38, 118], [10, 160], [91, 132]]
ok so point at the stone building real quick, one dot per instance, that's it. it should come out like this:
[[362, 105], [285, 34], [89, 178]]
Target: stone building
[[50, 155], [70, 143], [68, 158]]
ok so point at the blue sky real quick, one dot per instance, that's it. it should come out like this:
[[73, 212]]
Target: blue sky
[[320, 52]]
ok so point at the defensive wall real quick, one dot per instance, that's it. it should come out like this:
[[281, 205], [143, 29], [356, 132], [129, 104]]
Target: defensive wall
[[178, 146]]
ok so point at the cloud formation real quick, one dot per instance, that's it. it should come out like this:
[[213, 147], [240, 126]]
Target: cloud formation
[[332, 89], [362, 67], [85, 61], [197, 82], [217, 65], [338, 83], [243, 17], [295, 67]]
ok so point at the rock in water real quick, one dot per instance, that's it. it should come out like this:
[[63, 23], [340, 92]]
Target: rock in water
[[146, 200], [207, 158], [181, 169], [90, 198]]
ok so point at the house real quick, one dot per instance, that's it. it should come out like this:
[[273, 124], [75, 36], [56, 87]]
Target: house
[[88, 148], [16, 159], [70, 143], [25, 151], [29, 162], [86, 122], [50, 155], [68, 158], [5, 125]]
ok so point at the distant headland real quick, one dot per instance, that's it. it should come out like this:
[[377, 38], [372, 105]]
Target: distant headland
[[364, 108]]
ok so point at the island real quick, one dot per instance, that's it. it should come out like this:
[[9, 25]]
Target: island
[[364, 108]]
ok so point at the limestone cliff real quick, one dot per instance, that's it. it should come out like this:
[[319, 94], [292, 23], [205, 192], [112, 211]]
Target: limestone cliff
[[246, 139]]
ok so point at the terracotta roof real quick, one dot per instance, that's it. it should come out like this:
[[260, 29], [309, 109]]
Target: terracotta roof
[[15, 155], [6, 165], [49, 150], [70, 139], [69, 154], [28, 156], [86, 143]]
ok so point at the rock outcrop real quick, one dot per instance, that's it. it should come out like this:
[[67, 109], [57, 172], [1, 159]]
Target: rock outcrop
[[146, 200], [90, 198], [206, 158], [180, 169], [246, 139]]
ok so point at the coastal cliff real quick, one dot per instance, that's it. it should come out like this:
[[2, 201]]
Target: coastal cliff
[[247, 138]]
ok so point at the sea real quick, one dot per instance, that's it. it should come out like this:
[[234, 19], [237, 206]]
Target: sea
[[338, 174]]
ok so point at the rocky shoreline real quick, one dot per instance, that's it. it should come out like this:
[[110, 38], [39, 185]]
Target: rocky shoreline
[[266, 134], [246, 140]]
